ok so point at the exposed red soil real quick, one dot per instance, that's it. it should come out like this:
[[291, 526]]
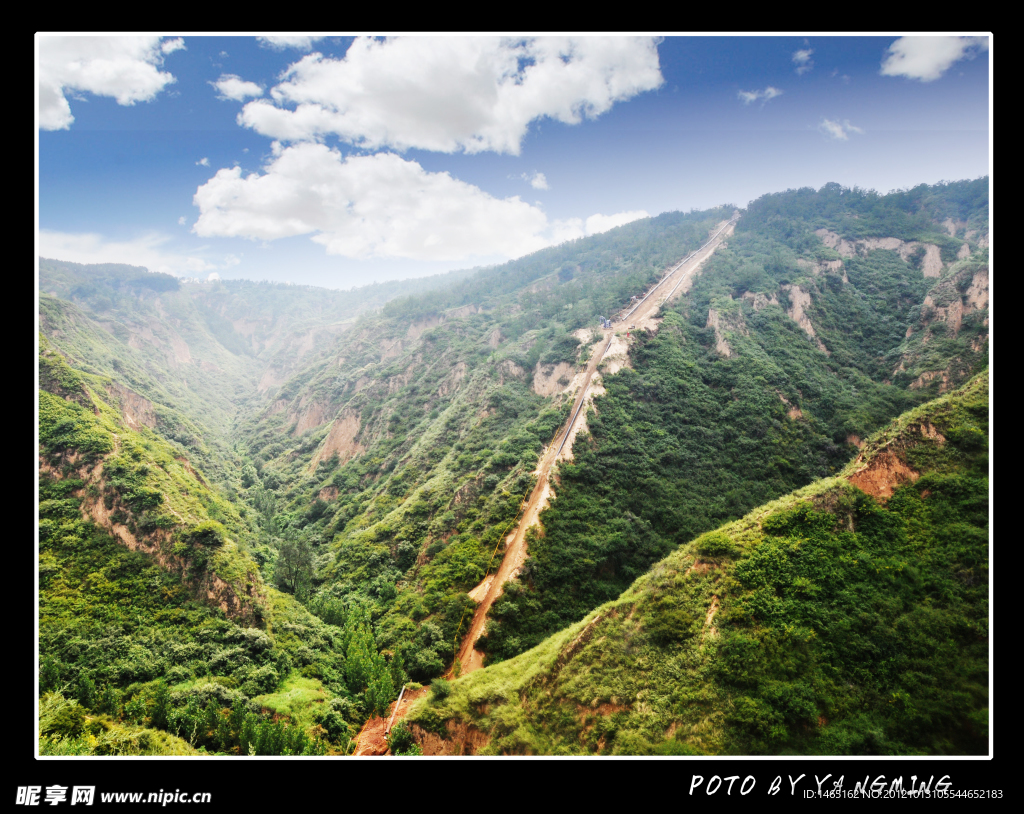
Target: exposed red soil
[[463, 739], [883, 475], [371, 739]]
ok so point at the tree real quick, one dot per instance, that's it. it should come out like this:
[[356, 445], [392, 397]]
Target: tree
[[161, 706], [294, 569]]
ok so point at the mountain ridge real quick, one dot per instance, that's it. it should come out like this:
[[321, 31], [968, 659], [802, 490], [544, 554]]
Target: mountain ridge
[[368, 472]]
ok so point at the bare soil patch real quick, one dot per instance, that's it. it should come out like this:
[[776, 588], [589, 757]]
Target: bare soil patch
[[371, 739], [341, 439], [883, 475]]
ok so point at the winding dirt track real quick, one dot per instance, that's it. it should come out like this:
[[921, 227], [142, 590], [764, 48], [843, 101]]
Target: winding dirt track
[[671, 285]]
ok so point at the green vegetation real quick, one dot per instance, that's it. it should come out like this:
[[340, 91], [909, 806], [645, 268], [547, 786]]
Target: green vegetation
[[912, 214], [366, 452], [401, 743], [152, 641], [692, 437], [827, 622], [450, 429], [66, 730]]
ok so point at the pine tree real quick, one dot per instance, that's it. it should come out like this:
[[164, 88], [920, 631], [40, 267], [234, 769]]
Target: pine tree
[[238, 716], [86, 691], [248, 734], [358, 656], [161, 706], [110, 701], [381, 691], [224, 739]]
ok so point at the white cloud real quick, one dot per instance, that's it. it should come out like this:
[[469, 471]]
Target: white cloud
[[803, 60], [573, 228], [125, 68], [453, 93], [198, 264], [537, 180], [838, 130], [182, 221], [212, 276], [149, 251], [233, 87], [766, 95], [602, 223], [377, 206], [203, 162], [927, 58], [568, 229], [281, 43], [170, 46], [366, 206]]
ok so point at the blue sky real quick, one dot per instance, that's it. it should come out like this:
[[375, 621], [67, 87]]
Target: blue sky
[[338, 161]]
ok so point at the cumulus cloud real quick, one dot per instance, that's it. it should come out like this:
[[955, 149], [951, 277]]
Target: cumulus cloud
[[233, 87], [765, 95], [282, 43], [573, 228], [378, 205], [203, 162], [150, 251], [838, 130], [803, 60], [927, 58], [125, 68], [453, 93], [602, 223], [366, 206], [537, 180]]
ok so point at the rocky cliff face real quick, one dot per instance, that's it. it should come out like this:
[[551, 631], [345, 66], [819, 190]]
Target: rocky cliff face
[[955, 311]]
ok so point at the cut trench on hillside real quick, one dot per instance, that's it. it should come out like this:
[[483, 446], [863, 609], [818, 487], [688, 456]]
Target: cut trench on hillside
[[643, 316]]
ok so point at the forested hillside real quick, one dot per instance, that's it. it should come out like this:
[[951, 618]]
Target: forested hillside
[[783, 356], [263, 507], [849, 617]]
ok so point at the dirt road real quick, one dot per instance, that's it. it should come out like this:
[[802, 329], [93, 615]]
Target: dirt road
[[643, 315], [371, 739]]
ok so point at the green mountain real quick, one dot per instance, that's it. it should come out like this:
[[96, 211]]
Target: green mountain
[[263, 507], [848, 617]]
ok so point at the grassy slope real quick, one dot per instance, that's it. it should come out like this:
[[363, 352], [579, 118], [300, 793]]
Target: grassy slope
[[842, 625]]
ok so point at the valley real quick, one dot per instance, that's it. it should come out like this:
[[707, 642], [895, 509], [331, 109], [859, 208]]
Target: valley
[[705, 530]]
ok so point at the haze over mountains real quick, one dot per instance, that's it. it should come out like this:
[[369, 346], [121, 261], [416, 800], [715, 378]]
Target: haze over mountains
[[265, 508]]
